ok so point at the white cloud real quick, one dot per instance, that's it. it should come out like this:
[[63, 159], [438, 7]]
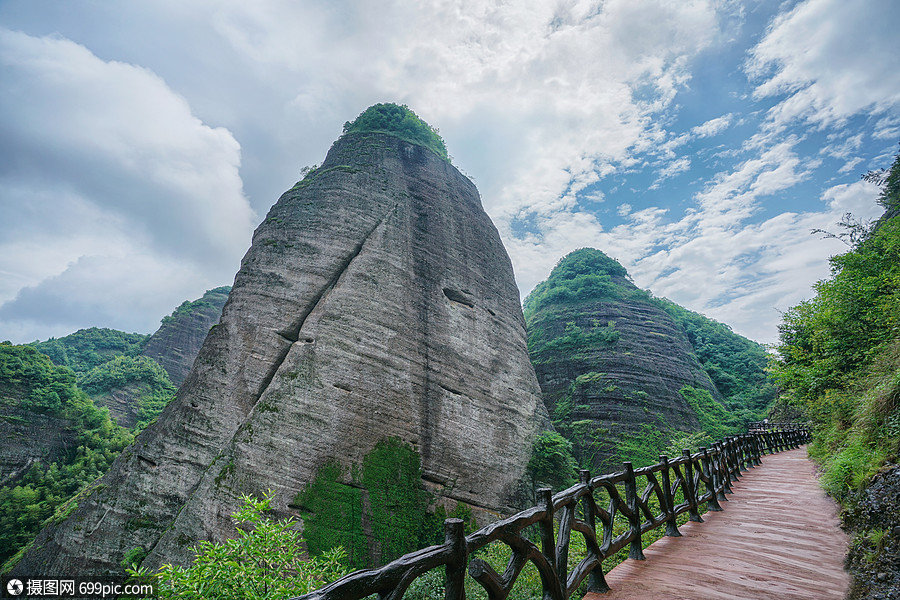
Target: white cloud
[[672, 169], [713, 126], [544, 102], [713, 259], [118, 175], [738, 274], [102, 288], [570, 85], [567, 91], [822, 56], [887, 128]]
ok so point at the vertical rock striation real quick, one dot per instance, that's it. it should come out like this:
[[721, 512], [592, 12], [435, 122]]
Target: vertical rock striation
[[377, 301]]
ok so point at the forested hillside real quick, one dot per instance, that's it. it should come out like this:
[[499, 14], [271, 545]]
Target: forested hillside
[[55, 442], [69, 405], [736, 365], [88, 348], [839, 365], [109, 367]]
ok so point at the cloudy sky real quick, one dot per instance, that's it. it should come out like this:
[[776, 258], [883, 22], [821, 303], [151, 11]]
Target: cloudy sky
[[696, 141]]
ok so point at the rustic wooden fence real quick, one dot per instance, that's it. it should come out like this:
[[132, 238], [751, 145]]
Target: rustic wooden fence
[[754, 426], [610, 511]]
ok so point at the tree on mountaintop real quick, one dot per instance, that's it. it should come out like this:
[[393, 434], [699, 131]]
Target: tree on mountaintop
[[401, 122]]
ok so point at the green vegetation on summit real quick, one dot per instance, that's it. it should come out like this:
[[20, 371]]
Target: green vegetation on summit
[[213, 299], [401, 122], [581, 276]]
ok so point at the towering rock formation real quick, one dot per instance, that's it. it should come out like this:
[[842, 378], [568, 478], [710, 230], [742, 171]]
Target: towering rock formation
[[609, 360], [376, 303]]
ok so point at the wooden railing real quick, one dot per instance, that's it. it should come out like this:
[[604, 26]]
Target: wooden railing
[[771, 426], [611, 512]]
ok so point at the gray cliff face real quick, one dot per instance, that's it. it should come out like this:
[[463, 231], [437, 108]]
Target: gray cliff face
[[30, 438], [179, 338], [376, 301], [651, 355], [122, 402]]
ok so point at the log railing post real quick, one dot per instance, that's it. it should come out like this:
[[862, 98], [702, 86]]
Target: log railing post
[[725, 448], [669, 508], [709, 471], [690, 491], [548, 545], [757, 451], [455, 538], [720, 462], [715, 453], [734, 453], [596, 581], [636, 551]]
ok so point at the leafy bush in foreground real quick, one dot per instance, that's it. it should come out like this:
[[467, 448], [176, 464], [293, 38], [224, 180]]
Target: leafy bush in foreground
[[264, 561]]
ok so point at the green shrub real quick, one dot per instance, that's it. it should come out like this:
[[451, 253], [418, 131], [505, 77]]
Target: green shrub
[[552, 463], [714, 419], [264, 561], [401, 122]]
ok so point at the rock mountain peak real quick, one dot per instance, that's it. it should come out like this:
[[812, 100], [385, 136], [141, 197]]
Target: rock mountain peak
[[376, 303]]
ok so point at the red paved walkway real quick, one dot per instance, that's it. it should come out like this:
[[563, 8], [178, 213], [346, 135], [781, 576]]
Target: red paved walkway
[[778, 538]]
